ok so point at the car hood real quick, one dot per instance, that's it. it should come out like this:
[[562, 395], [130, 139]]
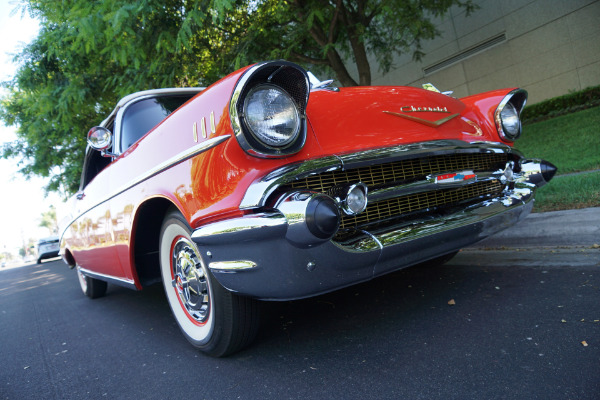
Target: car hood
[[367, 117]]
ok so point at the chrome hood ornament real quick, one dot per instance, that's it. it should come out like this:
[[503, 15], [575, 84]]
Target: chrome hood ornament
[[315, 83]]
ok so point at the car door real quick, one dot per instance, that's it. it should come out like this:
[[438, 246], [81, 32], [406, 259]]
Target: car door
[[91, 234]]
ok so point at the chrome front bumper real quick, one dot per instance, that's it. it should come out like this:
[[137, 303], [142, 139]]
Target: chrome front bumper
[[259, 255]]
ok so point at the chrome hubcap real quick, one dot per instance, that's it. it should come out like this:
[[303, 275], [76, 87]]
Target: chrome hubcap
[[189, 280]]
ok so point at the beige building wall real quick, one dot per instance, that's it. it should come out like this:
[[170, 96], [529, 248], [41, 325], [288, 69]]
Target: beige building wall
[[548, 47]]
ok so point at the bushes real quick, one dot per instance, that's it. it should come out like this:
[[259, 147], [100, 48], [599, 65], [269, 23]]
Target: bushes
[[568, 103]]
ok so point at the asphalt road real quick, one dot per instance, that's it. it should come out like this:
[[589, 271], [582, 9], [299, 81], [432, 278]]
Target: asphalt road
[[523, 325]]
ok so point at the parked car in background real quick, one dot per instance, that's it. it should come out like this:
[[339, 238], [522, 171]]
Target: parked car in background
[[48, 248], [272, 185]]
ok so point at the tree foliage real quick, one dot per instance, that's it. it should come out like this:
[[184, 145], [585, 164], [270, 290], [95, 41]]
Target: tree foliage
[[49, 221], [88, 54], [338, 34]]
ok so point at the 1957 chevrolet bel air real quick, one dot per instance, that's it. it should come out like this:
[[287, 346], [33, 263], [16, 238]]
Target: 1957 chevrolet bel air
[[271, 185]]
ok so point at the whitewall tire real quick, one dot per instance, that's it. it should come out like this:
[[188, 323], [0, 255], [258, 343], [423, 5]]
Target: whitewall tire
[[213, 319]]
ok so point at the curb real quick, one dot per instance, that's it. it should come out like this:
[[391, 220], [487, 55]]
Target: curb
[[572, 228]]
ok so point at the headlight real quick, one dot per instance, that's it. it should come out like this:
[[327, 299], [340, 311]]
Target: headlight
[[507, 115], [271, 115], [511, 124], [268, 109]]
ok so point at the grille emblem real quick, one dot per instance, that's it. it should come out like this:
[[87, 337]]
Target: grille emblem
[[455, 177]]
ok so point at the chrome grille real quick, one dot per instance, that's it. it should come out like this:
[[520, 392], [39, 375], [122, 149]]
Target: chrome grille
[[404, 170], [392, 211], [386, 209]]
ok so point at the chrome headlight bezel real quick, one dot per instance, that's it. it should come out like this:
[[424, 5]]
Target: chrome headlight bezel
[[508, 115], [292, 81]]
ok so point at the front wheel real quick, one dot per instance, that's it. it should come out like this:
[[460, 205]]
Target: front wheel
[[213, 319]]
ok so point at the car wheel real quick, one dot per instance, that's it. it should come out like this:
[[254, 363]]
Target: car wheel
[[213, 319], [92, 288], [39, 260]]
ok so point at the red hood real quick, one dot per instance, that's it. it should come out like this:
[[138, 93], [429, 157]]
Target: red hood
[[366, 117]]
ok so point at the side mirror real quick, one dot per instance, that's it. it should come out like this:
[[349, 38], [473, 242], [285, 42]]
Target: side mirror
[[100, 139]]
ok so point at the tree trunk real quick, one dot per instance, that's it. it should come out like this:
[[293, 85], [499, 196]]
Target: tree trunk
[[362, 61], [341, 73], [358, 46]]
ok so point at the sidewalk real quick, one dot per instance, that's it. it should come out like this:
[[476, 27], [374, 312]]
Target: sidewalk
[[557, 228]]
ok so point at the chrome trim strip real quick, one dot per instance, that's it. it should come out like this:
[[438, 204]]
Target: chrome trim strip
[[213, 127], [128, 283], [232, 266], [171, 162], [203, 127], [433, 124], [415, 150], [257, 193]]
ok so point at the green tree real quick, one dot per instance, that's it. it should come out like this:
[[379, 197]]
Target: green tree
[[90, 53], [49, 221], [338, 33]]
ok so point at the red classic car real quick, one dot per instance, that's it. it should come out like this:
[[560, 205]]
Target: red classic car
[[271, 185]]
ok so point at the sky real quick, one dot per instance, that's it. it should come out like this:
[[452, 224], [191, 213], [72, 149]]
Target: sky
[[21, 201]]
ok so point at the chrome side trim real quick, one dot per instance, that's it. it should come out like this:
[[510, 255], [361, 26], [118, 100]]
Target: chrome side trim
[[257, 193], [171, 162], [128, 283], [237, 266], [177, 159]]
